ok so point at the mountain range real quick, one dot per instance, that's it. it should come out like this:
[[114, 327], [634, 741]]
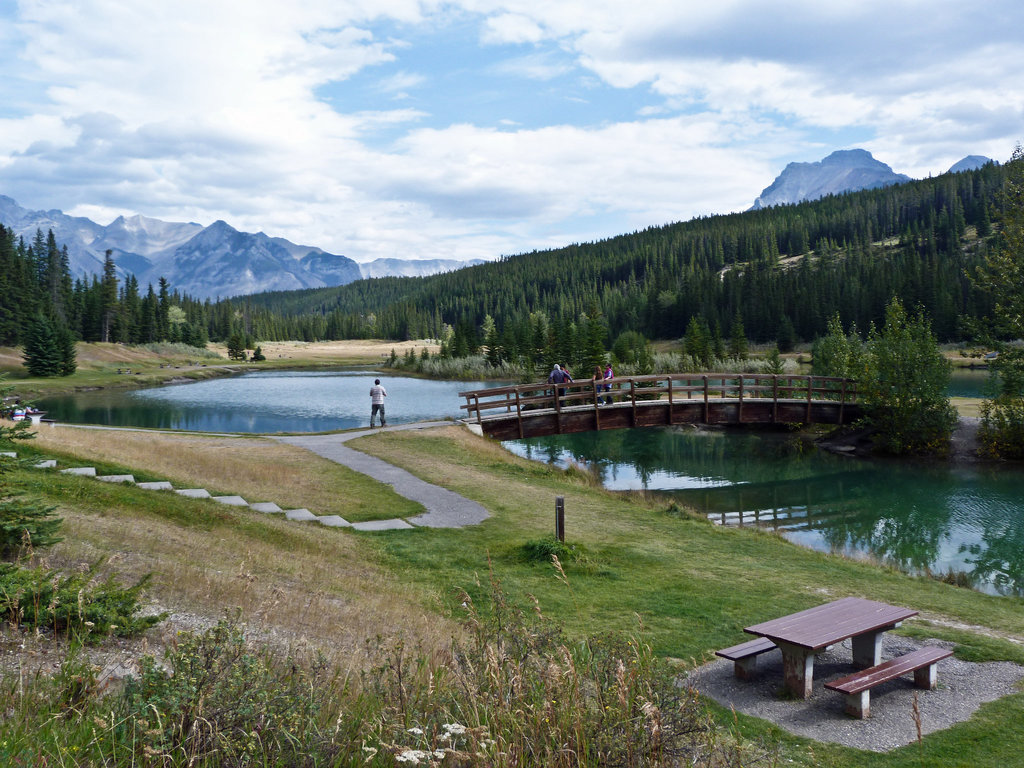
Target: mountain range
[[221, 261], [204, 262], [847, 170]]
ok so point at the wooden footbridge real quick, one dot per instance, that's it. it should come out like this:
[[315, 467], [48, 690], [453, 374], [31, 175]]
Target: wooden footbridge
[[534, 410]]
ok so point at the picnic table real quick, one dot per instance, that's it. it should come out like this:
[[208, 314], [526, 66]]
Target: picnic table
[[800, 635]]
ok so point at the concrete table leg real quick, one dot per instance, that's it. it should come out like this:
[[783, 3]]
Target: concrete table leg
[[797, 669], [867, 650]]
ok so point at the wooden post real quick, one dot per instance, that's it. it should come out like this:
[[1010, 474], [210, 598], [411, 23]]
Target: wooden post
[[560, 518]]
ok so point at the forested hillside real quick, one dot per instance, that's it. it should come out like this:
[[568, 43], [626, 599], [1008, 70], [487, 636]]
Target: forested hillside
[[781, 271], [777, 274]]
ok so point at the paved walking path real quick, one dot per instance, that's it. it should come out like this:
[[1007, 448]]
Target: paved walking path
[[445, 509]]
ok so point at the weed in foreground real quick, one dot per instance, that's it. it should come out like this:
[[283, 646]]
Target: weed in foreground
[[514, 692]]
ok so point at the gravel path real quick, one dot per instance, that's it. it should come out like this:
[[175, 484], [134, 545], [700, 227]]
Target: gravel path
[[445, 509], [962, 688]]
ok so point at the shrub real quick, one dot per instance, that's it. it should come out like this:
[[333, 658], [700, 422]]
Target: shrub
[[214, 700], [542, 550], [76, 604]]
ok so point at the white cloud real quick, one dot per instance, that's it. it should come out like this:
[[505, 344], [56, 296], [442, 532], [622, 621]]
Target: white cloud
[[214, 109]]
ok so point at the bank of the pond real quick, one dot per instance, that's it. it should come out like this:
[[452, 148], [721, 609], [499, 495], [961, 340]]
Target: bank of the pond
[[125, 367]]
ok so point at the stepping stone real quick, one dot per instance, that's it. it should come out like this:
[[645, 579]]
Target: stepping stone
[[194, 493], [9, 454], [394, 524], [268, 507], [231, 501], [334, 521], [84, 471], [116, 478], [300, 515], [157, 485], [46, 464]]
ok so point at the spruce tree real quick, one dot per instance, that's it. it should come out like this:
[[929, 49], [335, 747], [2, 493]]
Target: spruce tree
[[42, 352]]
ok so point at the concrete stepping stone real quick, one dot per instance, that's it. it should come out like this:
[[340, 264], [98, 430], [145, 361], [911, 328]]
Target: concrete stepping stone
[[45, 464], [116, 478], [194, 493], [334, 521], [231, 501], [157, 485], [9, 454], [83, 471], [267, 507], [394, 524], [300, 515]]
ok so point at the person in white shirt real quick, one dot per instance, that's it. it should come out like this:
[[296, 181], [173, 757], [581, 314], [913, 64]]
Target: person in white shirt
[[377, 395]]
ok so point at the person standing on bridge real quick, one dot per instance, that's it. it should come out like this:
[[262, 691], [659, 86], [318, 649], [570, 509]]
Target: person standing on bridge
[[377, 395], [608, 376], [558, 376]]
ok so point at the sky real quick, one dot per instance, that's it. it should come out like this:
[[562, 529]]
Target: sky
[[482, 128]]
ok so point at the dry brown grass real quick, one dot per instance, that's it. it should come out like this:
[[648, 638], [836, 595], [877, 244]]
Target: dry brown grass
[[349, 351], [259, 469], [297, 583]]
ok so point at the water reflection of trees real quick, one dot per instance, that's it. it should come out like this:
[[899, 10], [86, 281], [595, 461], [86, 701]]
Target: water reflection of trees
[[736, 457]]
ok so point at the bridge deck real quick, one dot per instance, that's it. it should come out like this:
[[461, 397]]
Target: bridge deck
[[531, 410]]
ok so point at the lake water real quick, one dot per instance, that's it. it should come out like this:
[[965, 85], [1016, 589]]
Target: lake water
[[266, 401], [915, 516]]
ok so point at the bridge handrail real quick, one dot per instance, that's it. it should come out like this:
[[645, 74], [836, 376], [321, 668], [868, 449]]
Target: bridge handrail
[[633, 389]]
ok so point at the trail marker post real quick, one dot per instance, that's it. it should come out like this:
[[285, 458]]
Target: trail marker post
[[560, 518]]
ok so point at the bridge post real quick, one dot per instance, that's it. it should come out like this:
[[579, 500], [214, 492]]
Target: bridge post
[[560, 518]]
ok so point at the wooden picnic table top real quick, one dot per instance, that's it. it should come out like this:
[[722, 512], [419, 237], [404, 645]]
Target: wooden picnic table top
[[831, 623]]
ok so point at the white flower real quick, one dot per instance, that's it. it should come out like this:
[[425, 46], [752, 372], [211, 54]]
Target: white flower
[[454, 729], [411, 756], [415, 731]]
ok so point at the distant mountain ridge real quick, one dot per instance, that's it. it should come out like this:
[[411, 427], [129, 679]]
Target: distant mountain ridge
[[846, 170], [413, 267], [204, 262]]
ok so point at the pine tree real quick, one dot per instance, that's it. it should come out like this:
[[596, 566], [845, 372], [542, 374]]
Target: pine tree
[[904, 386], [42, 354], [68, 353]]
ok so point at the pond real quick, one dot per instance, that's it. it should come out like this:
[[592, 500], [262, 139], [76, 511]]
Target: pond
[[920, 518], [266, 401]]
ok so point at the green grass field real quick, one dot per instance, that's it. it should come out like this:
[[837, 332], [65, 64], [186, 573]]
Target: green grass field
[[636, 566]]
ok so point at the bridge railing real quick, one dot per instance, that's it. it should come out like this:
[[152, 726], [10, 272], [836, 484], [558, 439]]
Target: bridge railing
[[500, 402]]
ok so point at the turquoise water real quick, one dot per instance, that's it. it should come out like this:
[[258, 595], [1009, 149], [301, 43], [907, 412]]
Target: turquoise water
[[918, 517], [266, 401]]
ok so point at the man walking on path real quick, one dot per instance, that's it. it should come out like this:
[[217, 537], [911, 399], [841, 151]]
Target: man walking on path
[[377, 395]]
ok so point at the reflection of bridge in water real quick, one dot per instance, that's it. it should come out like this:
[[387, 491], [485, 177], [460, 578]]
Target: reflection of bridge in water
[[780, 505], [533, 410]]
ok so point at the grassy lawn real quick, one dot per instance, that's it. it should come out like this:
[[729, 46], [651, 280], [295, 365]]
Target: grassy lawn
[[691, 585], [686, 585]]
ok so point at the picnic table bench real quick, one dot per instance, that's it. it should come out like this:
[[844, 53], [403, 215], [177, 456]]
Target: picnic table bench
[[857, 686], [800, 635], [744, 656]]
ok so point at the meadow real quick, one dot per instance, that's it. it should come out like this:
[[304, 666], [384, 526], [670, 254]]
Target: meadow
[[633, 567]]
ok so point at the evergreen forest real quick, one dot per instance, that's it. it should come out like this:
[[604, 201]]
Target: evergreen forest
[[779, 274]]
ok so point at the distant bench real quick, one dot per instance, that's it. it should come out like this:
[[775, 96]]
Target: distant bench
[[857, 686], [745, 656]]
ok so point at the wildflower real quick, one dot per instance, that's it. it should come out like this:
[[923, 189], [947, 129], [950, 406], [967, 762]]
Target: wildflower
[[415, 731], [454, 729]]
